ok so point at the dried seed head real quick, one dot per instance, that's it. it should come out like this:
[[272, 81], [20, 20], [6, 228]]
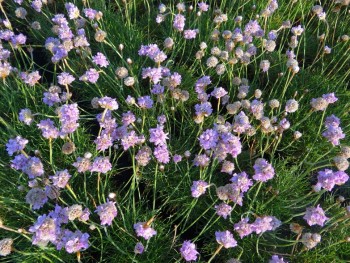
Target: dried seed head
[[68, 148]]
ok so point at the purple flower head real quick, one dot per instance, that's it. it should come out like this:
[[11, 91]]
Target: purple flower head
[[19, 162], [82, 164], [73, 11], [60, 215], [49, 131], [44, 230], [61, 178], [252, 28], [203, 7], [223, 210], [90, 13], [154, 74], [31, 79], [208, 139], [230, 144], [139, 248], [204, 109], [188, 251], [315, 216], [101, 165], [241, 181], [103, 142], [157, 89], [26, 116], [129, 139], [198, 188], [332, 121], [16, 145], [276, 259], [145, 102], [243, 228], [33, 167], [68, 115], [177, 158], [190, 33], [90, 75], [36, 197], [265, 223], [241, 123], [333, 134], [330, 97], [219, 92], [50, 98], [143, 229], [202, 83], [297, 30], [201, 160], [162, 154], [225, 239], [128, 118], [179, 22], [263, 170], [75, 242], [107, 212], [327, 179], [108, 103], [158, 136], [100, 60]]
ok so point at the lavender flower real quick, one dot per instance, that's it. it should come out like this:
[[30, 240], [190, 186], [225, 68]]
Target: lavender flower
[[327, 179], [225, 239], [75, 242], [158, 136], [139, 248], [44, 230], [198, 188], [179, 22], [188, 251], [263, 170], [49, 131], [61, 178], [162, 154], [91, 75], [203, 7], [36, 197], [243, 228], [65, 78], [208, 139], [16, 145], [190, 33], [223, 210], [145, 102], [100, 60], [82, 164], [33, 167], [241, 181], [142, 229], [107, 212], [315, 216], [276, 259], [265, 223], [101, 165], [103, 142], [201, 160]]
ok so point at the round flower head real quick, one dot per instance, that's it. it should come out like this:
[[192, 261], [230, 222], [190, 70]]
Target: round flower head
[[26, 116], [101, 165], [263, 170], [188, 251], [100, 60], [276, 259], [225, 239], [315, 216], [65, 78], [223, 210], [36, 197], [5, 246], [139, 248], [75, 242], [143, 229], [108, 103], [198, 188], [310, 240], [16, 145], [243, 228], [107, 212]]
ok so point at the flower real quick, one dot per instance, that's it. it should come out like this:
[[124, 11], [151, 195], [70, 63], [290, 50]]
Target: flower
[[225, 239], [179, 22], [5, 246], [108, 103], [198, 188], [65, 78], [315, 216], [162, 154], [276, 259], [26, 116], [101, 165], [243, 228], [143, 229], [139, 248], [158, 136], [36, 197], [188, 251], [61, 178], [263, 170], [45, 230], [310, 240], [107, 212], [75, 242], [100, 60], [16, 145], [223, 210]]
